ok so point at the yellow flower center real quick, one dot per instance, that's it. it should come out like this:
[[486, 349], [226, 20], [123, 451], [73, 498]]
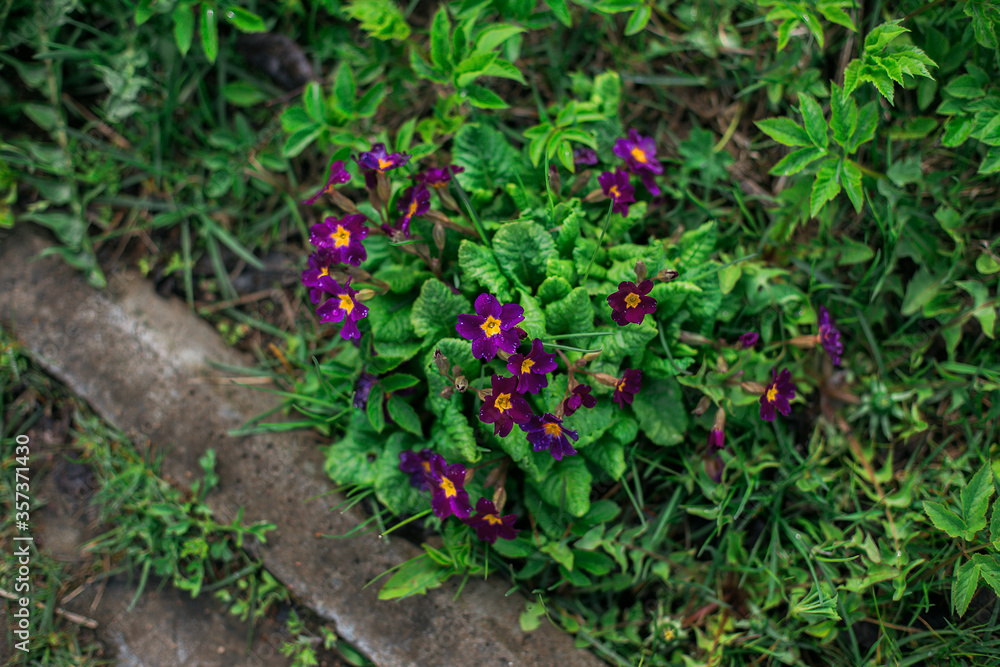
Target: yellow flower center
[[492, 519], [426, 465], [384, 164], [526, 365], [632, 300], [503, 402], [324, 271], [340, 236], [772, 393], [491, 326], [621, 385], [448, 488], [346, 303], [553, 428], [639, 154], [613, 192], [413, 208], [668, 634]]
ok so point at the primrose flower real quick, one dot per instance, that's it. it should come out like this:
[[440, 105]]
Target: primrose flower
[[630, 303], [378, 160], [627, 386], [530, 369], [777, 394], [341, 306], [579, 396], [492, 327], [338, 176], [747, 340], [413, 202], [639, 153], [418, 466], [448, 494], [439, 178], [319, 266], [343, 237], [362, 389], [582, 155], [716, 439], [489, 524], [504, 407], [829, 336], [547, 432], [617, 187]]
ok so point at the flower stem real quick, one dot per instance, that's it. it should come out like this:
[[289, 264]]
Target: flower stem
[[472, 214], [579, 335], [607, 221], [406, 521], [571, 349]]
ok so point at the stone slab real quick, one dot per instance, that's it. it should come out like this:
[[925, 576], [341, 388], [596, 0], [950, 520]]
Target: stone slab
[[142, 361]]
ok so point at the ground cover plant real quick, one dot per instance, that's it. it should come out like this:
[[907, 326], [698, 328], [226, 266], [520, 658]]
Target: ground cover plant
[[685, 311]]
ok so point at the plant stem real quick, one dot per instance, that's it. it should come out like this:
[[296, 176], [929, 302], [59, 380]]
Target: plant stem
[[607, 221]]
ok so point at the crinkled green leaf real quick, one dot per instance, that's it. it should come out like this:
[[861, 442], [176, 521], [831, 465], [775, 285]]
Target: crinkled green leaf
[[660, 410], [488, 159], [522, 249], [567, 486], [826, 186], [436, 310], [477, 263]]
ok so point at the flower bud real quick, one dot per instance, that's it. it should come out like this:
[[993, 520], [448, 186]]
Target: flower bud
[[719, 423], [438, 235], [555, 181], [382, 185], [806, 342], [666, 275], [721, 365], [503, 355], [590, 356], [595, 195], [703, 405], [606, 379], [493, 477], [468, 474], [343, 202], [484, 394], [447, 392], [755, 388], [461, 383], [640, 271], [376, 201], [441, 362], [499, 498], [364, 294], [693, 338]]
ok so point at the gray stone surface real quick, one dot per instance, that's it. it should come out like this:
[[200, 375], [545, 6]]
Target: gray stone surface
[[142, 362]]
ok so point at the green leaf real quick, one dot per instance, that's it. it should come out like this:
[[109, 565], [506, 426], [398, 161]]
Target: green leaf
[[956, 131], [454, 436], [534, 317], [477, 263], [835, 14], [242, 94], [561, 11], [374, 408], [494, 35], [483, 98], [878, 38], [522, 249], [975, 500], [983, 311], [826, 186], [989, 569], [392, 485], [381, 19], [245, 20], [404, 415], [504, 70], [345, 90], [796, 161], [990, 165], [354, 458], [209, 32], [573, 314], [398, 381], [850, 178], [300, 139], [944, 519], [921, 289], [995, 526], [852, 76], [183, 16], [843, 116], [567, 486], [488, 160], [660, 411], [553, 289], [965, 87], [609, 455], [695, 246], [638, 20], [436, 310], [414, 577], [144, 11], [914, 128], [964, 585], [785, 131], [472, 68], [812, 117], [441, 41]]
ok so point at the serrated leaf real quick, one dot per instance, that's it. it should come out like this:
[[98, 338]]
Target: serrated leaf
[[843, 115], [441, 41], [975, 500], [964, 586], [796, 161], [995, 526], [982, 310], [852, 76], [944, 519], [990, 165], [878, 38], [785, 131], [488, 160], [472, 68], [812, 118], [965, 87], [835, 14], [522, 249], [825, 187], [436, 310], [374, 408], [609, 455], [850, 178], [956, 131], [561, 11], [404, 415], [865, 131], [695, 246], [573, 314], [989, 570], [494, 35], [478, 263]]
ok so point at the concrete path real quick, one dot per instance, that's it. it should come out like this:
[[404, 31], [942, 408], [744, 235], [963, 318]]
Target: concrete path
[[141, 362]]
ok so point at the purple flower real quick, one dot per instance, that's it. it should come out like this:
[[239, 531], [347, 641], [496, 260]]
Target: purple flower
[[617, 187], [582, 155], [378, 160], [439, 178], [418, 466], [776, 396], [448, 494], [362, 388], [343, 237], [579, 396], [493, 326], [639, 153], [338, 175], [630, 303], [747, 340], [504, 407], [716, 439], [547, 432], [413, 202], [489, 524], [341, 306], [829, 336], [627, 386], [530, 369], [319, 267]]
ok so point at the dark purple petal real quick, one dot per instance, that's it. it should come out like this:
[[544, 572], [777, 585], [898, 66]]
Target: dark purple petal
[[338, 175], [582, 155], [488, 306], [748, 340], [469, 326]]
